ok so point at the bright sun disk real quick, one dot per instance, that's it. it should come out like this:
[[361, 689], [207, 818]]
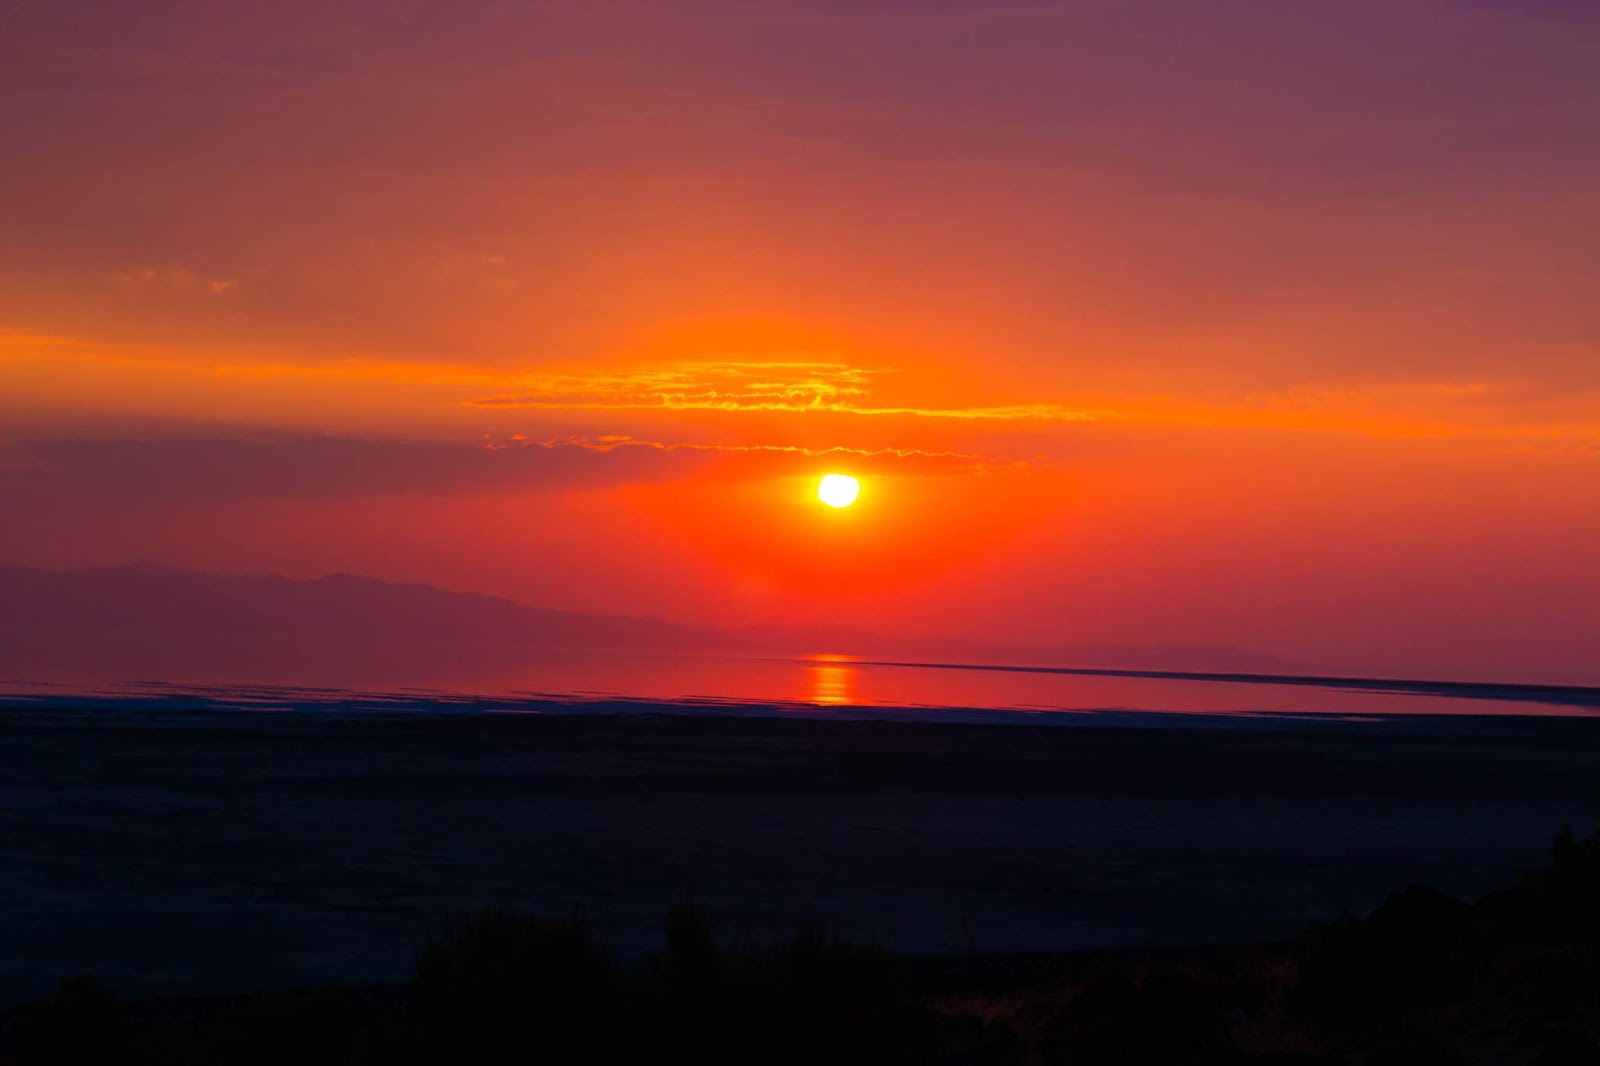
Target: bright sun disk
[[838, 490]]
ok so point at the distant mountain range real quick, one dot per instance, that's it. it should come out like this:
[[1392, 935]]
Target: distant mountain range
[[143, 621]]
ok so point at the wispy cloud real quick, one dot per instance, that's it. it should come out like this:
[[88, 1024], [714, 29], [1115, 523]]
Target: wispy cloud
[[184, 470], [492, 272], [1518, 415], [178, 279], [795, 387], [942, 460], [709, 384], [1522, 417]]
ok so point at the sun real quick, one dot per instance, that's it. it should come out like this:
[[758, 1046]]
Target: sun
[[838, 490]]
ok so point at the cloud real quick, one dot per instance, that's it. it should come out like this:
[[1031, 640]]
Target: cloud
[[1520, 414], [1405, 409], [487, 271], [900, 460], [198, 469], [26, 340], [189, 470], [795, 387], [178, 279]]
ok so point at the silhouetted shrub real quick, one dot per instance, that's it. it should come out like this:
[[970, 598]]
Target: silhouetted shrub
[[317, 1027], [84, 1024], [1375, 975], [820, 1000], [1168, 1017], [502, 987], [1400, 987], [1561, 980], [1563, 899], [1569, 1048], [693, 956]]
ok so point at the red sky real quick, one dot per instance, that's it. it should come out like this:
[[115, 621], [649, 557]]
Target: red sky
[[1274, 325]]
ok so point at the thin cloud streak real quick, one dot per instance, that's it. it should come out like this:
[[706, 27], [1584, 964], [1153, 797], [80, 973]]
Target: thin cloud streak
[[178, 279], [1555, 422], [963, 460], [1038, 412], [1434, 409], [190, 470], [739, 385]]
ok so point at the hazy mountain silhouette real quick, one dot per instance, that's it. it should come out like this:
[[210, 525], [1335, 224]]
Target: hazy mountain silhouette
[[145, 621]]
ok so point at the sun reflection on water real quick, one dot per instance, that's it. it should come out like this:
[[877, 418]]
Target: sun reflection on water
[[831, 680]]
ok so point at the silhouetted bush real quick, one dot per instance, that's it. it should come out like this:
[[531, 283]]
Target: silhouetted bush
[[83, 1024], [810, 1000], [1569, 1048], [1167, 1017], [693, 956], [816, 999], [502, 987], [1404, 980], [1563, 899], [1410, 984], [1558, 980], [316, 1027], [1370, 976]]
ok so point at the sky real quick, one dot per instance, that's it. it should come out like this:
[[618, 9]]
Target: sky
[[1268, 324]]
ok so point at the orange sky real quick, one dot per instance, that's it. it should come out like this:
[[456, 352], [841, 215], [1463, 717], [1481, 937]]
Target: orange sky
[[1266, 325]]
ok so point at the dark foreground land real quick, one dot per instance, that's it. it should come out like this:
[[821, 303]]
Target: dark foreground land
[[1425, 979], [185, 853], [176, 855]]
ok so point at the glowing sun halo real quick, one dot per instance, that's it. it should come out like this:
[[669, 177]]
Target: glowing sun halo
[[838, 490]]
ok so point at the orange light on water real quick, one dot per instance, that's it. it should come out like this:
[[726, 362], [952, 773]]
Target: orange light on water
[[830, 680]]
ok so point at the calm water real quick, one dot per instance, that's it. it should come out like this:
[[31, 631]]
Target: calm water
[[173, 839], [798, 684]]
